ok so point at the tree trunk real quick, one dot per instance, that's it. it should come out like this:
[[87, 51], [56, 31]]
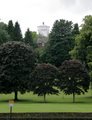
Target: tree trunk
[[73, 97], [16, 96], [44, 97]]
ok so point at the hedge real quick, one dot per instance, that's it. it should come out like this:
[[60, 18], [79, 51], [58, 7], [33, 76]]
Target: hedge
[[46, 116]]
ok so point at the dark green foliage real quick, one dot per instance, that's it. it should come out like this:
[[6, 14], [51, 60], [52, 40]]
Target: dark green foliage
[[28, 37], [3, 26], [83, 44], [4, 36], [17, 32], [17, 61], [59, 44], [74, 78], [89, 62], [83, 41], [44, 80], [34, 36], [75, 30], [10, 29]]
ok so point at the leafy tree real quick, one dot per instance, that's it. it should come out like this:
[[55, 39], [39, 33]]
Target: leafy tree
[[74, 78], [83, 41], [17, 32], [44, 80], [3, 26], [83, 44], [28, 37], [17, 61], [59, 44], [10, 29], [89, 63], [4, 36], [75, 30], [34, 36]]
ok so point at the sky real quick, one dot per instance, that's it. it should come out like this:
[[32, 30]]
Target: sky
[[31, 13]]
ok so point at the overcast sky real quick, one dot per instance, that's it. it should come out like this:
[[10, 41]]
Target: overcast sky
[[31, 13]]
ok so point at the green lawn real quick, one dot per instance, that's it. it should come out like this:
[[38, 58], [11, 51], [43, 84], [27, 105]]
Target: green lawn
[[61, 103]]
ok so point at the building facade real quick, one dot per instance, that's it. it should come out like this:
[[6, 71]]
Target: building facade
[[43, 32]]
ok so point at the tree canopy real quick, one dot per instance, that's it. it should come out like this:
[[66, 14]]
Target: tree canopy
[[44, 80], [83, 44], [83, 41], [17, 32], [17, 61], [28, 37], [10, 29], [74, 78], [59, 44], [4, 36]]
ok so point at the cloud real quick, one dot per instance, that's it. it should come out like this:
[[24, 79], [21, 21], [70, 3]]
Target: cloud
[[68, 3], [31, 13], [76, 6], [85, 6]]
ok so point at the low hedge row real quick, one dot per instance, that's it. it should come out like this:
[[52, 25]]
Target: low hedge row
[[46, 116]]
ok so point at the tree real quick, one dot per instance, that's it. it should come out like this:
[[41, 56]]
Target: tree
[[44, 80], [83, 44], [83, 41], [3, 26], [75, 30], [17, 61], [89, 63], [10, 29], [59, 43], [17, 32], [74, 78], [28, 37], [4, 36], [34, 36]]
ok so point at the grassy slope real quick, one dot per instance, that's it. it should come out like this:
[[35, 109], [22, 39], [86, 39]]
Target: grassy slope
[[61, 103]]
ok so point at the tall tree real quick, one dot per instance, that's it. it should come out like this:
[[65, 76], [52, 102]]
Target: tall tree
[[83, 44], [75, 30], [34, 36], [10, 29], [3, 26], [74, 78], [83, 40], [17, 61], [89, 63], [4, 36], [44, 80], [28, 37], [17, 32], [59, 44]]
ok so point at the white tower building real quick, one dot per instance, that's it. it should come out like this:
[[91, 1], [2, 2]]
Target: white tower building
[[43, 30]]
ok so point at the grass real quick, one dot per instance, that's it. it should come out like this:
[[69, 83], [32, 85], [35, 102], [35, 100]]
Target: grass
[[32, 103]]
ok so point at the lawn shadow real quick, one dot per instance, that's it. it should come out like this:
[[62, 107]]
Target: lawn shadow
[[25, 101], [4, 101], [38, 101]]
